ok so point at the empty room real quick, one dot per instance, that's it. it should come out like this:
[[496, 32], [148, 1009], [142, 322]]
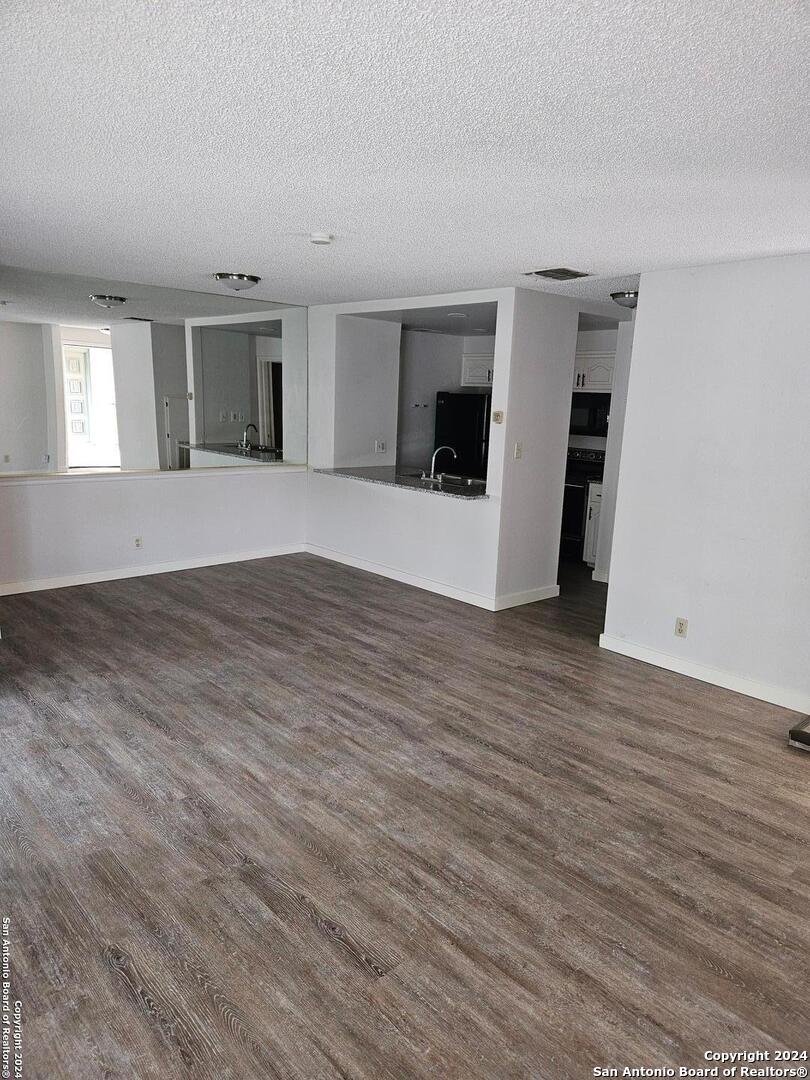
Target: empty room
[[404, 540]]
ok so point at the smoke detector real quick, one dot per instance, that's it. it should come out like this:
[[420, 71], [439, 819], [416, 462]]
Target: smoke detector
[[321, 238]]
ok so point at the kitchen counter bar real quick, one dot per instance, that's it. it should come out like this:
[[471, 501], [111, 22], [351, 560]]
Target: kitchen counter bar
[[265, 457], [391, 476]]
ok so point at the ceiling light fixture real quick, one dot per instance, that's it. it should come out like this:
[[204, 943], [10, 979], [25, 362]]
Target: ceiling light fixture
[[236, 282], [456, 315], [321, 238], [103, 300], [625, 298]]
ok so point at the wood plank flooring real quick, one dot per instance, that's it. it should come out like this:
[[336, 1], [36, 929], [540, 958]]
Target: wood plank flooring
[[285, 819]]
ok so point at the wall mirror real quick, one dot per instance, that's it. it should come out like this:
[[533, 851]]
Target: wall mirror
[[248, 385], [168, 380]]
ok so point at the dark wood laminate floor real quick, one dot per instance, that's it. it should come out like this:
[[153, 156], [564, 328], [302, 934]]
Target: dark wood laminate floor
[[285, 819]]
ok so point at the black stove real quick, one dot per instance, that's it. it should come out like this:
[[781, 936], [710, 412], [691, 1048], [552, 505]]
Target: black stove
[[577, 454], [584, 466]]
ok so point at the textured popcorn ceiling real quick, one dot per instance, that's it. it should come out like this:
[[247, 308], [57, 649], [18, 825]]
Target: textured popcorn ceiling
[[447, 145]]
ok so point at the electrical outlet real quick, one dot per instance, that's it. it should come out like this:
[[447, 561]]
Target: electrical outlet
[[223, 416], [379, 446], [6, 458], [681, 627], [518, 451], [497, 416], [138, 541], [241, 416], [234, 415]]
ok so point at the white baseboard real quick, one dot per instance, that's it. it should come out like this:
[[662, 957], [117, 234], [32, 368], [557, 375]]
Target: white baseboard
[[466, 597], [531, 596], [776, 695], [489, 603], [9, 588]]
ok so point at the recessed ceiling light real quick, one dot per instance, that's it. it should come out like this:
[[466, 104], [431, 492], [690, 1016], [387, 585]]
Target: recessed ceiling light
[[237, 282], [626, 298], [103, 300], [456, 315], [321, 238]]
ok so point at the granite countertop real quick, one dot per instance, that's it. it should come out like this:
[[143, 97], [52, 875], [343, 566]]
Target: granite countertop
[[391, 476], [232, 450]]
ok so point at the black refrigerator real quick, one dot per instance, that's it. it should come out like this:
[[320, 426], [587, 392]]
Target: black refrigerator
[[462, 421]]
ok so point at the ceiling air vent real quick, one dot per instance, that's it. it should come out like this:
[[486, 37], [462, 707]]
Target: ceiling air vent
[[558, 273], [135, 318]]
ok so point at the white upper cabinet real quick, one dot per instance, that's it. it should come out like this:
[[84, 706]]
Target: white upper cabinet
[[477, 368], [593, 371]]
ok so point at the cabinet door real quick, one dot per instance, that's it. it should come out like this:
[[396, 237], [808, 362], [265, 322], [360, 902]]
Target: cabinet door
[[594, 371], [592, 523], [476, 370]]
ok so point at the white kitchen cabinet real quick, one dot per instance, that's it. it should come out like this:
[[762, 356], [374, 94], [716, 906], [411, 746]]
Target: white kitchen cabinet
[[592, 523], [477, 369], [593, 371]]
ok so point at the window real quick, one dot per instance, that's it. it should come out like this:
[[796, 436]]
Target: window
[[91, 421]]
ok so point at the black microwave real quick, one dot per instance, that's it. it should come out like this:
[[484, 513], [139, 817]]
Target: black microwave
[[590, 413]]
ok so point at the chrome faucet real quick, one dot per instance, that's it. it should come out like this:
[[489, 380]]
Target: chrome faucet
[[244, 443], [433, 477]]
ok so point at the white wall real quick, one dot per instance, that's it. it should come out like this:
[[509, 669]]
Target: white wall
[[23, 401], [544, 335], [596, 341], [226, 378], [135, 394], [428, 363], [713, 508], [366, 390], [169, 373], [613, 449], [429, 540], [61, 530]]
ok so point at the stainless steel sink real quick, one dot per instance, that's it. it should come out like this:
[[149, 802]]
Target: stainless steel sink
[[461, 485], [462, 481]]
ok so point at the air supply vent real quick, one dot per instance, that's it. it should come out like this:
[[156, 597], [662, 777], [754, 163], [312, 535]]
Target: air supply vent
[[558, 273], [135, 318]]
